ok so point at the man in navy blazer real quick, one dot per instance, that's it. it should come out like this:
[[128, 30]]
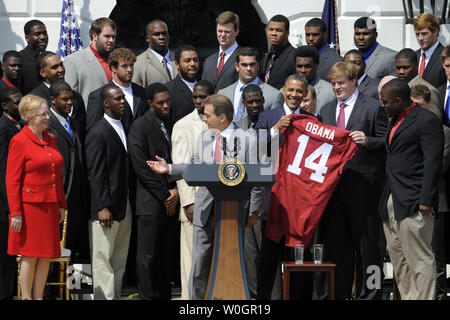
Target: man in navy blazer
[[219, 68]]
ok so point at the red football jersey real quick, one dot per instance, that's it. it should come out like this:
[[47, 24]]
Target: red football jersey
[[310, 158]]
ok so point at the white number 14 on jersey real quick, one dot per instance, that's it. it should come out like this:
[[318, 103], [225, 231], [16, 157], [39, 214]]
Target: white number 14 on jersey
[[319, 168]]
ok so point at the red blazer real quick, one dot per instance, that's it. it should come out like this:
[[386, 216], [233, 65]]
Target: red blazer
[[33, 171]]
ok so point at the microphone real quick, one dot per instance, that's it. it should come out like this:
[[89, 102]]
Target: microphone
[[224, 147]]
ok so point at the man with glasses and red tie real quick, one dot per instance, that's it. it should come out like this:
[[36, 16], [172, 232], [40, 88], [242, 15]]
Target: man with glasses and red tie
[[350, 223]]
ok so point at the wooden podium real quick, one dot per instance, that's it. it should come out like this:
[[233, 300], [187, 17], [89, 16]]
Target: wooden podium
[[227, 277]]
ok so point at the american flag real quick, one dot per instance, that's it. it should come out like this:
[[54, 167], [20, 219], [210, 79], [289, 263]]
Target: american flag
[[69, 40], [329, 15]]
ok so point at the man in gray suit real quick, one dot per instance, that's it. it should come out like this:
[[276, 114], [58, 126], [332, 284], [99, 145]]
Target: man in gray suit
[[247, 67], [87, 69], [156, 64], [307, 64], [407, 69], [379, 60], [218, 68], [316, 35], [218, 115], [366, 84]]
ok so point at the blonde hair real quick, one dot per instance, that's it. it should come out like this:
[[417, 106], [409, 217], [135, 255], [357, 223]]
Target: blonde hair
[[228, 17], [342, 68], [28, 106], [427, 21]]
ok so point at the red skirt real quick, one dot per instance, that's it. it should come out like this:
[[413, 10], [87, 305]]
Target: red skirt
[[39, 236]]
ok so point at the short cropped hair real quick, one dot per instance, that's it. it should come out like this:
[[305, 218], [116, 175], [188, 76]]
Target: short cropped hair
[[11, 54], [247, 52], [297, 77], [105, 90], [398, 88], [420, 90], [355, 51], [40, 60], [445, 53], [427, 21], [306, 52], [206, 84], [98, 24], [365, 22], [408, 54], [30, 25], [281, 18], [317, 22], [221, 105], [313, 91], [6, 93], [342, 68], [153, 89], [181, 49], [228, 17], [250, 89], [28, 106], [123, 54], [59, 86]]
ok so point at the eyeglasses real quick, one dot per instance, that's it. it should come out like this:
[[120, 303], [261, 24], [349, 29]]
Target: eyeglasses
[[44, 115]]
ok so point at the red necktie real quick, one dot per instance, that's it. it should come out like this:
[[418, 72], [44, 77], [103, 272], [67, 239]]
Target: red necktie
[[221, 62], [422, 64], [218, 149], [341, 118]]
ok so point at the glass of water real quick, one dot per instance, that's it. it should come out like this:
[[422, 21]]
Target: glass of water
[[318, 253], [298, 253]]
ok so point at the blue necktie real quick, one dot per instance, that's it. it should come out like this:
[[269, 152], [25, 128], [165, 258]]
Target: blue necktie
[[447, 107], [68, 128], [240, 109]]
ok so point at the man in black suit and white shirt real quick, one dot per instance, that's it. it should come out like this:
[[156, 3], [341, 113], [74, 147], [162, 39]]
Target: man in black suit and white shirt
[[121, 63], [316, 35], [415, 145], [71, 146], [108, 167], [350, 225], [426, 28], [278, 63], [180, 88], [218, 68], [157, 198]]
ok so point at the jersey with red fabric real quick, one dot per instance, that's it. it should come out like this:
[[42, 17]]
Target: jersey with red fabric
[[310, 158]]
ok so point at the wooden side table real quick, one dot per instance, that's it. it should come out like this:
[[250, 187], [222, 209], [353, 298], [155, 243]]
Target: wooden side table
[[307, 266]]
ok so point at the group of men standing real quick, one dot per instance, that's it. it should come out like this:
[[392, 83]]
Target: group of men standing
[[112, 112]]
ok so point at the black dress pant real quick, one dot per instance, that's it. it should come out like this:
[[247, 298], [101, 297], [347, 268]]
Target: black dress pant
[[8, 266], [157, 239], [438, 246]]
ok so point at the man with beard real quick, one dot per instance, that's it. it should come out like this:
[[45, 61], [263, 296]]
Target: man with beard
[[37, 39], [180, 88], [156, 63], [87, 69], [121, 64], [12, 65], [184, 140], [51, 68], [10, 124], [157, 198]]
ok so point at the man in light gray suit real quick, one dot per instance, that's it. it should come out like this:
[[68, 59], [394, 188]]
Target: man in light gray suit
[[247, 66], [218, 115], [156, 64], [380, 61], [87, 69], [307, 63]]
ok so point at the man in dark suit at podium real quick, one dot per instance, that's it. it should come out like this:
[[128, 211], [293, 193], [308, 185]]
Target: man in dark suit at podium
[[218, 115]]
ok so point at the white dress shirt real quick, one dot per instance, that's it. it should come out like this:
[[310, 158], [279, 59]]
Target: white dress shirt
[[191, 85], [237, 96], [118, 127], [169, 61], [350, 102]]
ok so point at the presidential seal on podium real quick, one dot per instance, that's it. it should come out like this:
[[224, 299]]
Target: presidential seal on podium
[[231, 172]]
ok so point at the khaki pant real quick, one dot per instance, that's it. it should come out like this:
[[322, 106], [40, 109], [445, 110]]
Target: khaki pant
[[409, 246], [186, 235], [109, 250]]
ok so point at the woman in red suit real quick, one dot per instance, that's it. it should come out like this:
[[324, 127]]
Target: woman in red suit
[[34, 185]]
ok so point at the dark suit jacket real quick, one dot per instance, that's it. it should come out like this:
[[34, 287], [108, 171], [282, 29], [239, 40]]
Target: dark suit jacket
[[146, 140], [108, 170], [414, 161], [328, 58], [78, 108], [181, 100], [283, 66], [228, 74], [434, 72], [30, 75], [72, 150], [369, 87], [7, 131], [360, 183], [95, 108]]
